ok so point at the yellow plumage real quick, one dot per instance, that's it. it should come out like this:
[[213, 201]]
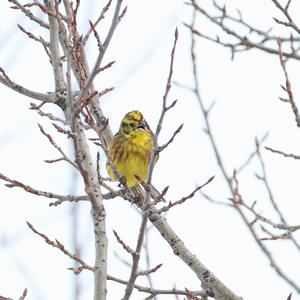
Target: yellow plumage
[[130, 149]]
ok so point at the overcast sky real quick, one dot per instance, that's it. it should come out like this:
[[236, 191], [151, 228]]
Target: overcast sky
[[246, 92]]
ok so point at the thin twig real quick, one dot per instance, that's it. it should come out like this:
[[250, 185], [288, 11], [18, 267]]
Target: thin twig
[[271, 197], [228, 179], [161, 148], [50, 195], [283, 153], [115, 21], [244, 42], [52, 142], [125, 247], [60, 83], [252, 155], [4, 79], [201, 104], [288, 87], [148, 272], [237, 199], [29, 14], [102, 15], [183, 199], [57, 244], [154, 292], [24, 294], [48, 115], [285, 11]]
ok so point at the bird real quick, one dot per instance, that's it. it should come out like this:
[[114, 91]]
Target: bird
[[130, 150]]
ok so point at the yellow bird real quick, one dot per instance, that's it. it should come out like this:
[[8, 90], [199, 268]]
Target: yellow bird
[[130, 149]]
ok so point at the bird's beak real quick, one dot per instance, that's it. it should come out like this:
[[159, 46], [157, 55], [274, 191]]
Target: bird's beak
[[142, 126]]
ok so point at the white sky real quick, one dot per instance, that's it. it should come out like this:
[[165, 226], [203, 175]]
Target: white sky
[[246, 92]]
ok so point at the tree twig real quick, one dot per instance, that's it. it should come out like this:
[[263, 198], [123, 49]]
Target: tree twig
[[283, 153], [288, 88], [4, 79]]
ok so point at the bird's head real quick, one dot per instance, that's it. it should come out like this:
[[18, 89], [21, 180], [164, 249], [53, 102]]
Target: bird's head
[[133, 121]]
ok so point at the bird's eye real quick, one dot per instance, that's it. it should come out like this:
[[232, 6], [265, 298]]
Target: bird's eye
[[131, 125]]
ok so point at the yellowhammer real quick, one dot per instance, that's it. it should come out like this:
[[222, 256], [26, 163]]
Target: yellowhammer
[[130, 149]]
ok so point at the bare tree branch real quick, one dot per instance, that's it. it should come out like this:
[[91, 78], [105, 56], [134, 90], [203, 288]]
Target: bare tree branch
[[57, 244], [288, 87], [4, 79], [285, 11], [244, 42], [283, 153], [183, 199], [233, 190], [64, 156], [60, 84], [237, 199], [28, 14]]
